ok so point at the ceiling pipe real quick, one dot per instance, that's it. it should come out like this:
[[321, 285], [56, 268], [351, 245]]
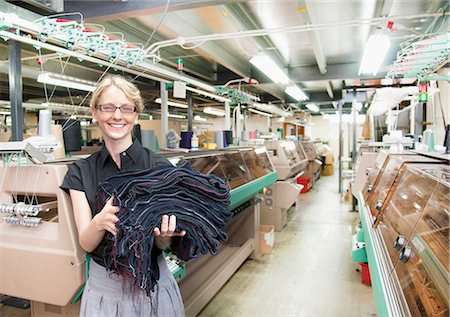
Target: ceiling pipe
[[30, 27], [152, 49]]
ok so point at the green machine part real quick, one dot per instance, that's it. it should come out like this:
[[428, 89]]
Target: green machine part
[[243, 193], [381, 304]]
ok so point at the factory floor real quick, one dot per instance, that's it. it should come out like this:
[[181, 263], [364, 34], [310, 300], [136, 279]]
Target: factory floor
[[309, 272]]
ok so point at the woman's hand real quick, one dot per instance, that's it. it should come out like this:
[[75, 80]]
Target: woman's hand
[[106, 219], [167, 231]]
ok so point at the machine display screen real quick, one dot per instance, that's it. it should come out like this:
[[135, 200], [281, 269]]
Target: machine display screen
[[288, 151]]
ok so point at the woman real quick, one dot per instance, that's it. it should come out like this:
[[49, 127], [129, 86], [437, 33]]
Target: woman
[[115, 105]]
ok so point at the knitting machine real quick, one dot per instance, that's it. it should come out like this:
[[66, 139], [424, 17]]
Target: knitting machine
[[406, 221], [312, 170], [248, 171], [289, 160], [40, 258]]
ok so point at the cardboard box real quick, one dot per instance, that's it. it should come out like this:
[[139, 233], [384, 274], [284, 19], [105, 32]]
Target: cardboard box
[[266, 238], [329, 159], [327, 170]]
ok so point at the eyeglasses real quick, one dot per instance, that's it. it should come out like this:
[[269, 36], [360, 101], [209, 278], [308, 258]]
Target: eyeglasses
[[111, 108]]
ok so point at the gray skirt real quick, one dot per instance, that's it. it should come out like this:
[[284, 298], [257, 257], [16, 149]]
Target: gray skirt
[[104, 295]]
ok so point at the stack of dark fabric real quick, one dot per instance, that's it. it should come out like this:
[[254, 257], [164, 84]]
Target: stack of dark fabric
[[199, 201]]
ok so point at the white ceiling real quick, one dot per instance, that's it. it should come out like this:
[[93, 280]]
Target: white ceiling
[[319, 43]]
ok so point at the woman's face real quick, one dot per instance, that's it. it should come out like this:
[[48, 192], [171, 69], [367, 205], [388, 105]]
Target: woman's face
[[115, 123]]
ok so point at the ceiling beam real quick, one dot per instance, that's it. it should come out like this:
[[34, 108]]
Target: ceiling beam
[[334, 72], [314, 37], [101, 11]]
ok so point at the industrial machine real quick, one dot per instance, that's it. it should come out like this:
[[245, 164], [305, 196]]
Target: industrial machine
[[405, 218], [248, 171], [312, 170], [40, 258], [289, 160]]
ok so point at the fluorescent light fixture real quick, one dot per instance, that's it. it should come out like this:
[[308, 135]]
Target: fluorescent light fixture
[[296, 93], [66, 81], [63, 106], [172, 103], [270, 69], [214, 111], [272, 109], [198, 118], [176, 116], [313, 107], [375, 51], [208, 94], [260, 112]]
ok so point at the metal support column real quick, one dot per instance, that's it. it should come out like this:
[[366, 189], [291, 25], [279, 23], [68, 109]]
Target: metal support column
[[354, 111], [190, 110], [341, 140], [227, 116], [15, 90], [164, 115]]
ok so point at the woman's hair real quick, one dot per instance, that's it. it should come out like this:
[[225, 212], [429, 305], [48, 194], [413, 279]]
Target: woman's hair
[[129, 89]]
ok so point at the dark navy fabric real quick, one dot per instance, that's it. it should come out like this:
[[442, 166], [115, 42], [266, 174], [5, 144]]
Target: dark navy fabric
[[86, 174], [199, 201]]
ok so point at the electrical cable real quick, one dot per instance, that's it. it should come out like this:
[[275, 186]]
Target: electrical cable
[[159, 23]]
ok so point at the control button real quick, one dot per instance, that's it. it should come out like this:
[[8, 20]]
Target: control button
[[405, 254], [399, 242]]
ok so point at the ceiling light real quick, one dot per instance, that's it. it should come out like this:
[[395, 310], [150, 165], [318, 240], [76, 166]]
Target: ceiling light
[[260, 112], [375, 51], [272, 109], [198, 118], [214, 111], [63, 106], [177, 116], [296, 93], [207, 94], [270, 69], [172, 103], [313, 107], [66, 81]]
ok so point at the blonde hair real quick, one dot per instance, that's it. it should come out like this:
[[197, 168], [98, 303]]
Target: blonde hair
[[129, 89]]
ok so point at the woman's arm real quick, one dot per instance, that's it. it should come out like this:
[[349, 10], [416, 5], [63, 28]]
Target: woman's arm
[[91, 230]]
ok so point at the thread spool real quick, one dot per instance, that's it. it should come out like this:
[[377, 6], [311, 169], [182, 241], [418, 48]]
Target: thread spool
[[71, 134], [186, 138], [428, 139], [137, 132], [218, 139], [45, 121], [59, 152], [228, 136], [148, 139]]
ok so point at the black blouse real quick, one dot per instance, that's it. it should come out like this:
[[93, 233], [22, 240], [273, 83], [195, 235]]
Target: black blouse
[[86, 174]]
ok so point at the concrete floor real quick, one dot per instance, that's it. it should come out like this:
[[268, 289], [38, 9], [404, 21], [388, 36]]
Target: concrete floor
[[309, 272]]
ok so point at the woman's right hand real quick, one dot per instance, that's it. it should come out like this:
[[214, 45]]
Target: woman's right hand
[[106, 219]]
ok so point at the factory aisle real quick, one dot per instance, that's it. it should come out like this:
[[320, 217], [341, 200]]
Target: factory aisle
[[310, 271]]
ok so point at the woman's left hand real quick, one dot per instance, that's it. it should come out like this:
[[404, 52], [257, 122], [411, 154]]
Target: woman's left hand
[[167, 231]]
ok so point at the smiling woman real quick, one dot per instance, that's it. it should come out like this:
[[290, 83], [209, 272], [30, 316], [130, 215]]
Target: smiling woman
[[115, 105]]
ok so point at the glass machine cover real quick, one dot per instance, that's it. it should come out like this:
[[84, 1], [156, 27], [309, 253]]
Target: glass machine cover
[[387, 176], [237, 167], [310, 150], [374, 172], [415, 227]]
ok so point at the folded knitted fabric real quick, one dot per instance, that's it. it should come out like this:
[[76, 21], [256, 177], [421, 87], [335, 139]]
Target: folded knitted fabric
[[199, 201]]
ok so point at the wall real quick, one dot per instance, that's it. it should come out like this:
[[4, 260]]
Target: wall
[[322, 129], [440, 103]]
